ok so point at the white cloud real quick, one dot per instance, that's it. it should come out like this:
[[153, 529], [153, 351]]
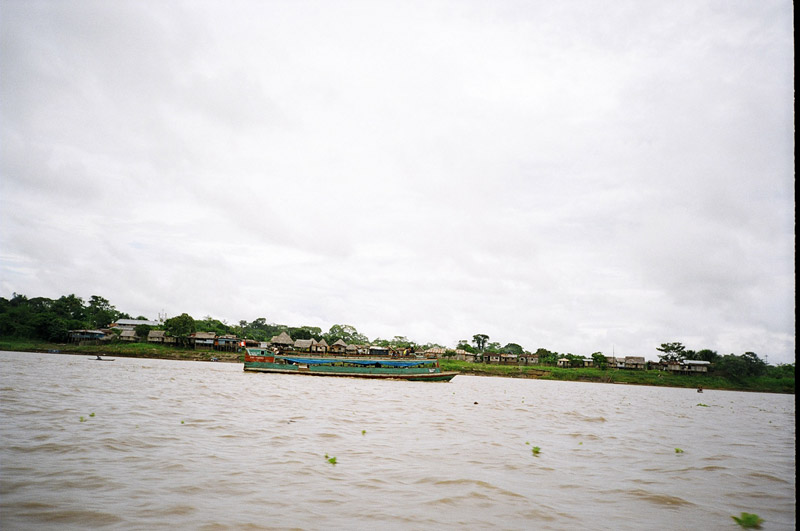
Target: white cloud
[[574, 176]]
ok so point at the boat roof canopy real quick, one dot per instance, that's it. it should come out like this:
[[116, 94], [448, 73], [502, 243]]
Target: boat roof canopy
[[366, 363]]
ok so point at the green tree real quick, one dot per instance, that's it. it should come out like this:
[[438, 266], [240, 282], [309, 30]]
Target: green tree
[[493, 346], [731, 366], [513, 348], [600, 360], [546, 357], [755, 365], [706, 355], [671, 351], [260, 330], [346, 333], [306, 332], [100, 312], [465, 346], [480, 341], [142, 331], [209, 324], [180, 327]]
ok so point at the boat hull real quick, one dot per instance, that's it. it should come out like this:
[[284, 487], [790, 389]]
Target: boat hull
[[396, 374]]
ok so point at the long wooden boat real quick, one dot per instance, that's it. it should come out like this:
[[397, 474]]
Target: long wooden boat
[[263, 360]]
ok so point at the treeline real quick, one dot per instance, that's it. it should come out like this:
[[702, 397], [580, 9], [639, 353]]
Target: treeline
[[730, 365], [52, 319]]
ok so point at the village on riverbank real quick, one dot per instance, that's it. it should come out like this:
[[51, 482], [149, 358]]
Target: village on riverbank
[[122, 339], [124, 330]]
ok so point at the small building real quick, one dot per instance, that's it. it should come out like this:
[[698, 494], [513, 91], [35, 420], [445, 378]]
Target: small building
[[435, 352], [509, 359], [160, 336], [282, 340], [156, 336], [304, 345], [689, 366], [128, 335], [588, 362], [86, 336], [378, 351], [493, 358], [321, 346], [563, 362], [202, 339], [360, 350], [131, 324], [529, 359], [463, 355], [227, 343], [634, 362], [340, 347]]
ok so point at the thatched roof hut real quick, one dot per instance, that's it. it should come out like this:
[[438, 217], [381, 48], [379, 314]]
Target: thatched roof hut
[[282, 339]]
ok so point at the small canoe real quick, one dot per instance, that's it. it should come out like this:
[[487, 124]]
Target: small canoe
[[101, 359]]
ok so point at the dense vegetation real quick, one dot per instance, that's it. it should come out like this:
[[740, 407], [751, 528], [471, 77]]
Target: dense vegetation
[[41, 321]]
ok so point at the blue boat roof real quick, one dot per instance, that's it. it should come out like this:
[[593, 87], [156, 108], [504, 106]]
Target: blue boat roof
[[365, 362]]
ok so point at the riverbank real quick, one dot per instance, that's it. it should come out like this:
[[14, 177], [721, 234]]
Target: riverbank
[[762, 384], [125, 350]]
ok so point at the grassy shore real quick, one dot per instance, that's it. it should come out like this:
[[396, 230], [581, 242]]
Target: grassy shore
[[585, 374], [124, 350], [761, 384]]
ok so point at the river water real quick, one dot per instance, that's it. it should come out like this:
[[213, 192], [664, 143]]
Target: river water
[[157, 444]]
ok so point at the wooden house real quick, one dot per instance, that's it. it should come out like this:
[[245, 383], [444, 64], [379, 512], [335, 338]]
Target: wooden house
[[378, 351], [227, 343], [435, 352], [320, 346], [304, 345], [340, 347], [86, 336], [689, 366], [202, 339], [282, 341], [131, 324], [509, 359], [634, 362]]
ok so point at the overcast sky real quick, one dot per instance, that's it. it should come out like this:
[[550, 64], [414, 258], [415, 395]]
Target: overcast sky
[[579, 176]]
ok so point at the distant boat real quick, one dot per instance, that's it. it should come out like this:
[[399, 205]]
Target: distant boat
[[262, 360], [98, 358]]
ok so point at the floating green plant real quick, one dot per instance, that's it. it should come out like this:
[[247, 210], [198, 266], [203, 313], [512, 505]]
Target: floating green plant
[[363, 432], [703, 405], [678, 451], [182, 422], [749, 521], [331, 460], [535, 450], [83, 419], [91, 414]]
